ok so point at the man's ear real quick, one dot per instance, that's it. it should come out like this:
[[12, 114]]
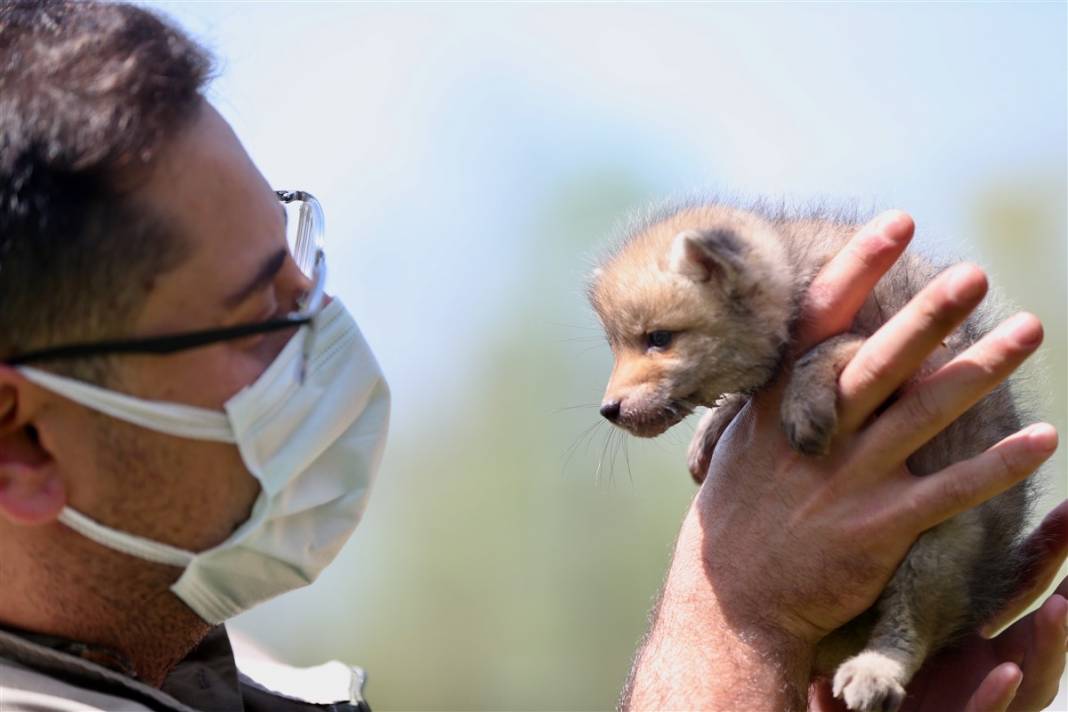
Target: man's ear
[[707, 255], [31, 490]]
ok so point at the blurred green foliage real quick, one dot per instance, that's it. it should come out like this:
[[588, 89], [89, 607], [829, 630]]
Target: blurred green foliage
[[1021, 231], [530, 556]]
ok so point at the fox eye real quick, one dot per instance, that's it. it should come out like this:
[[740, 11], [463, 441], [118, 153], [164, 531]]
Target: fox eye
[[658, 339]]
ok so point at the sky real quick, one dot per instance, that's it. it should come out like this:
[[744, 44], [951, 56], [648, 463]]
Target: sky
[[432, 132]]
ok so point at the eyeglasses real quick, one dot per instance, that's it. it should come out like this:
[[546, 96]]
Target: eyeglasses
[[305, 237]]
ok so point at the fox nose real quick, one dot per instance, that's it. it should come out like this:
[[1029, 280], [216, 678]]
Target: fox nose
[[610, 410]]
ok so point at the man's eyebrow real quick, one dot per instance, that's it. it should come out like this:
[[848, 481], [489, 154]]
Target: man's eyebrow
[[266, 274]]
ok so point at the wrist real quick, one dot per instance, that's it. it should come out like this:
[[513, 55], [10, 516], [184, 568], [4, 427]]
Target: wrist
[[700, 655]]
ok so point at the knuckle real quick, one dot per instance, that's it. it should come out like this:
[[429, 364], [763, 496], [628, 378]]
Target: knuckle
[[817, 304], [954, 492], [937, 316], [987, 372], [990, 360], [914, 509], [923, 406], [1006, 463], [866, 373], [996, 355], [868, 252], [931, 311]]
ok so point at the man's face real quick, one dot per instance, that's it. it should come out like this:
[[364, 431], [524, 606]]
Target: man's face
[[182, 492]]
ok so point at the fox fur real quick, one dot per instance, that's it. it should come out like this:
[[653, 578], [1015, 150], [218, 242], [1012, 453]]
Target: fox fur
[[726, 284]]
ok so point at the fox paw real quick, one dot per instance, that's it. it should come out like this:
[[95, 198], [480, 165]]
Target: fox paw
[[809, 423], [699, 455], [711, 427], [697, 461], [870, 682], [810, 403]]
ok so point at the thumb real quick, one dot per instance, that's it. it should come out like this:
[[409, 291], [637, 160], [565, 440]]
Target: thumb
[[997, 690]]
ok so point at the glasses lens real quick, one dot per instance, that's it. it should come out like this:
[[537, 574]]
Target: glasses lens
[[304, 228]]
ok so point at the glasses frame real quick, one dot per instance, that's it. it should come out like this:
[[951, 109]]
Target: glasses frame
[[309, 233]]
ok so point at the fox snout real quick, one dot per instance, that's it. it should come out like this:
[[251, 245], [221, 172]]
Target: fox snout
[[645, 415], [639, 399], [610, 410]]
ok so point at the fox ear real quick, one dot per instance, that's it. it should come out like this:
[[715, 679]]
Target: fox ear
[[706, 255]]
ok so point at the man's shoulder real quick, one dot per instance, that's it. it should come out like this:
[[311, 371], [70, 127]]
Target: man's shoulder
[[23, 689], [41, 678]]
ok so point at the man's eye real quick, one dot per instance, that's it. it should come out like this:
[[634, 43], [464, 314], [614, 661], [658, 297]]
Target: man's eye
[[658, 339]]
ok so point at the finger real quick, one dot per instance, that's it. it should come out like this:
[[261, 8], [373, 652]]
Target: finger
[[1044, 658], [1044, 553], [966, 484], [843, 284], [899, 348], [997, 690], [821, 698], [927, 407]]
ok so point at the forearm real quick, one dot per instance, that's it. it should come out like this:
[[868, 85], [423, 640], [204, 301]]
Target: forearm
[[696, 658]]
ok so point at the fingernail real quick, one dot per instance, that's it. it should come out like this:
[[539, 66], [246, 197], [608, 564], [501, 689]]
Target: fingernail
[[894, 222], [1026, 330], [892, 216], [964, 284], [1015, 688], [1042, 436], [886, 220]]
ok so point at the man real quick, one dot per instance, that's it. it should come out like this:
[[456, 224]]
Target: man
[[131, 212], [180, 441]]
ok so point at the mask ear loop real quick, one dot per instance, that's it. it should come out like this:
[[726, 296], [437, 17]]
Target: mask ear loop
[[171, 418], [126, 543]]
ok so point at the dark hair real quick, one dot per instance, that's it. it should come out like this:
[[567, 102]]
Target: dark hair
[[89, 93]]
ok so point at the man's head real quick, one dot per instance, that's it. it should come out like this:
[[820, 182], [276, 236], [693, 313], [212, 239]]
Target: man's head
[[128, 209], [89, 94]]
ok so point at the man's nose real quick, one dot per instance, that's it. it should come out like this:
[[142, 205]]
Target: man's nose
[[610, 410]]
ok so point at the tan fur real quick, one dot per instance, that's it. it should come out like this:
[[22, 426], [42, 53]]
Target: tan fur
[[726, 284]]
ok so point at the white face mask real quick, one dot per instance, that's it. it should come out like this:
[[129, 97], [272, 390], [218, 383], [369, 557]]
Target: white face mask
[[314, 447]]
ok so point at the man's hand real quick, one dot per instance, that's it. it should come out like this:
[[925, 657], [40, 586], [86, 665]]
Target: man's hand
[[1020, 669], [778, 549]]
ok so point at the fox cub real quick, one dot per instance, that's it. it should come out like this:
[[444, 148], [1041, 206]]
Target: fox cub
[[716, 290]]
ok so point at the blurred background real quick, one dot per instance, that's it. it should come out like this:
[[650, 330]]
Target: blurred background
[[474, 160]]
